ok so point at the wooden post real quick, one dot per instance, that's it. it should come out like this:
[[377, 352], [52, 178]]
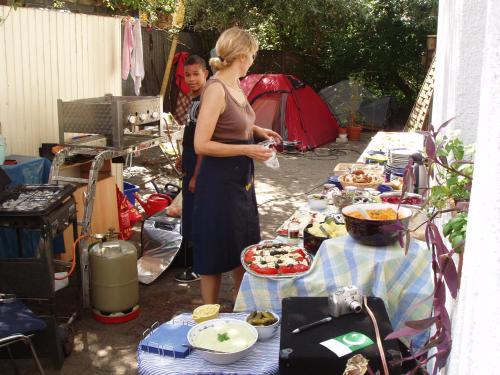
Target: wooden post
[[177, 23]]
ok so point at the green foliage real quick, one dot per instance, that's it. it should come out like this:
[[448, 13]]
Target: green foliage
[[378, 41], [454, 170], [153, 8], [455, 231]]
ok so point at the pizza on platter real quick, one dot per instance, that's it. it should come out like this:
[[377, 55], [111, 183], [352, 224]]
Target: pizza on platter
[[275, 259]]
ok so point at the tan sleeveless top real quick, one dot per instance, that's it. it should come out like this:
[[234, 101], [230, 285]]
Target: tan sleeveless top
[[237, 120]]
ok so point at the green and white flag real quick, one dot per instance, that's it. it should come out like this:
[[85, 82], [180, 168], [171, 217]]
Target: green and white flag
[[348, 343]]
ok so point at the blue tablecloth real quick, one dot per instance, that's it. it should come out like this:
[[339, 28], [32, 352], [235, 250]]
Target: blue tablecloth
[[262, 360], [28, 170], [403, 282]]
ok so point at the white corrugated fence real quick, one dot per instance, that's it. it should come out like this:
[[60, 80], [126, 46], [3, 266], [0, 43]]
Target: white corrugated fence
[[46, 55]]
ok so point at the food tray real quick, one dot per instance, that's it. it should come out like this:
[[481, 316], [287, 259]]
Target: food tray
[[33, 200], [304, 218], [275, 276], [365, 185], [344, 168]]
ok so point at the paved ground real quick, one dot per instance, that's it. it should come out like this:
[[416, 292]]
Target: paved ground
[[111, 349]]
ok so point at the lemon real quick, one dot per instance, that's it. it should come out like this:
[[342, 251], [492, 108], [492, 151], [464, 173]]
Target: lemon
[[205, 312]]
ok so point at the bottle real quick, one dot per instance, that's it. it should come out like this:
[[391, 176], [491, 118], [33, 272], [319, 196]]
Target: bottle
[[293, 233]]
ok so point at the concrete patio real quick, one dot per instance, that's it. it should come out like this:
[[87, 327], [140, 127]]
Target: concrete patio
[[111, 349]]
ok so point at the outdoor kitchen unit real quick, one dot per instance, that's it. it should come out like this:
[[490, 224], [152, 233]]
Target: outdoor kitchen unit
[[118, 120]]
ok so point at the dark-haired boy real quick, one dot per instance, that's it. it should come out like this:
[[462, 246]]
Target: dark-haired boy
[[195, 75]]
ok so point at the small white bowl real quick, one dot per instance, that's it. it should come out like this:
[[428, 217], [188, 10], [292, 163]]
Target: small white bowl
[[222, 358], [267, 332], [317, 204]]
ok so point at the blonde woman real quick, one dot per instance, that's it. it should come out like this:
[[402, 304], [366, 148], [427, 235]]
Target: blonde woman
[[225, 218]]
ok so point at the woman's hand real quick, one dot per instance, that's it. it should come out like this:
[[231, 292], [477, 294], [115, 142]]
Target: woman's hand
[[259, 153], [272, 134], [259, 132]]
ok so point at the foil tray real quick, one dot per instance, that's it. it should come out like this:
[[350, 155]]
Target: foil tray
[[33, 200]]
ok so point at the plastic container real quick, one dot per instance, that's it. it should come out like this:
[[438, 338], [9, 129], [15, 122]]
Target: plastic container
[[129, 190], [2, 149]]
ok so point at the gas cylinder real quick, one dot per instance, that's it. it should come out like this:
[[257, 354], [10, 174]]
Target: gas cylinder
[[114, 284]]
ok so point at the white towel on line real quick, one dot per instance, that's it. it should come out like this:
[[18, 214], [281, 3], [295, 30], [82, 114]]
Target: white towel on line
[[137, 60]]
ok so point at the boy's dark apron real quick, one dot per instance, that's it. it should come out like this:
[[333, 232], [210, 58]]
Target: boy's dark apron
[[226, 219]]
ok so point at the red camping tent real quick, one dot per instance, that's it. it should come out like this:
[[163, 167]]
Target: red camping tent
[[288, 106]]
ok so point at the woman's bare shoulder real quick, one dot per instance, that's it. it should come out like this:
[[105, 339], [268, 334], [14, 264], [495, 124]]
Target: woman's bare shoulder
[[214, 87]]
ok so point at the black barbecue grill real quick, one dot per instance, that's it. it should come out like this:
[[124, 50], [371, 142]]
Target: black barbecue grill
[[47, 210], [33, 200]]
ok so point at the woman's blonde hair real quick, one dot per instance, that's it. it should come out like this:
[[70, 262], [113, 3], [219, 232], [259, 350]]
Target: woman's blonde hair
[[232, 43]]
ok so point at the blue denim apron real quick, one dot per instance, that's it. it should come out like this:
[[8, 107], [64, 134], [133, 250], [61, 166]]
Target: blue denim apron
[[225, 219]]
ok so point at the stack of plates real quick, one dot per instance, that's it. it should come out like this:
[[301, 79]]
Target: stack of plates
[[397, 162], [398, 158]]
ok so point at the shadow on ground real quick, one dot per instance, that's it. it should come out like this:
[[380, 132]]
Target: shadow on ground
[[111, 349]]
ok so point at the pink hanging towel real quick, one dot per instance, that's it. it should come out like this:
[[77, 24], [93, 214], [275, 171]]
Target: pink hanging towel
[[128, 46]]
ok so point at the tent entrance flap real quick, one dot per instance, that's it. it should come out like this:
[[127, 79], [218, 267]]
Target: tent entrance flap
[[268, 112]]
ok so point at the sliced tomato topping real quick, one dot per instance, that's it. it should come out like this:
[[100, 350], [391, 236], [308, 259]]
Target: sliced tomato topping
[[301, 252], [263, 270], [249, 256], [287, 269], [300, 268]]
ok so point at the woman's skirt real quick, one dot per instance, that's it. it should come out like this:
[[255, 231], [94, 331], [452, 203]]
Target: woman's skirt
[[225, 216]]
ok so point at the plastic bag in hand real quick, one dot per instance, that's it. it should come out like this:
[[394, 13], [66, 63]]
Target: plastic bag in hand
[[272, 162]]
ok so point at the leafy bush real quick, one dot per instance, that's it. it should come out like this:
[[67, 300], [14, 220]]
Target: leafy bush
[[380, 42]]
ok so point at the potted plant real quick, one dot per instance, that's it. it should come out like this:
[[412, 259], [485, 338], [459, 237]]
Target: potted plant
[[450, 168], [354, 127], [342, 128]]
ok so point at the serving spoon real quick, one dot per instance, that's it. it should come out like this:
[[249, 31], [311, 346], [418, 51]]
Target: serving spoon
[[204, 349]]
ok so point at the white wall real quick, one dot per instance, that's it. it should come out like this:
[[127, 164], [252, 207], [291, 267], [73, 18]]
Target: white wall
[[468, 86], [460, 44], [46, 55]]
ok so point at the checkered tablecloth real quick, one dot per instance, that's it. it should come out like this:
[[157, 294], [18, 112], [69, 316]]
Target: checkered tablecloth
[[262, 360], [403, 282]]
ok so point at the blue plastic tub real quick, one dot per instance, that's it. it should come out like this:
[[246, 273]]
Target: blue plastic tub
[[129, 190]]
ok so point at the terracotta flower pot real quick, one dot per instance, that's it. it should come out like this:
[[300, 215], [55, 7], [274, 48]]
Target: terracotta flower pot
[[342, 131], [354, 132]]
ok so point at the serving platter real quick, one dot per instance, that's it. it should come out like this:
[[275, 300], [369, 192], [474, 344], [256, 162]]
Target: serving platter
[[253, 255], [304, 217]]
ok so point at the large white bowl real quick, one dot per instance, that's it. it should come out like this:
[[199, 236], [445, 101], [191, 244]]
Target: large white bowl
[[215, 325], [267, 332]]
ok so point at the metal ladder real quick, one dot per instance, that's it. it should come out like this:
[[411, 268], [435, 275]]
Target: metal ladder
[[99, 157]]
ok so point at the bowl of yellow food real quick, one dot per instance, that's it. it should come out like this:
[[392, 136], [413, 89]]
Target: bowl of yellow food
[[223, 341], [206, 312], [316, 233], [265, 322], [374, 223]]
